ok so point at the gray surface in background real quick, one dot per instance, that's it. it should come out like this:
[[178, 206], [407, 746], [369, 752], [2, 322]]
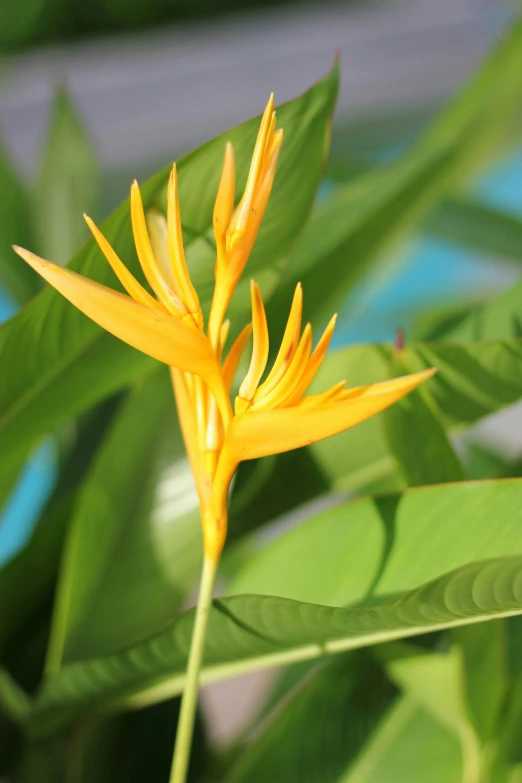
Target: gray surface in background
[[162, 93]]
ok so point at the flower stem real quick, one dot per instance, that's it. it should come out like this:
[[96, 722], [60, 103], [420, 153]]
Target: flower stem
[[180, 762]]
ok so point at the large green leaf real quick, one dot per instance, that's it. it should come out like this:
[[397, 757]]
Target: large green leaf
[[400, 541], [68, 183], [60, 363], [129, 545], [251, 631], [27, 581]]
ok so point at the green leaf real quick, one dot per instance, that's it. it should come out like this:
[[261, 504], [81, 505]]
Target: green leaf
[[247, 632], [129, 545], [407, 747], [68, 183], [15, 220], [320, 728], [360, 221], [401, 540], [72, 364], [417, 438], [477, 226], [27, 581]]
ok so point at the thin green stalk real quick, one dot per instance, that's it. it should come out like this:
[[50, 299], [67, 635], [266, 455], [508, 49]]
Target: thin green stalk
[[180, 762]]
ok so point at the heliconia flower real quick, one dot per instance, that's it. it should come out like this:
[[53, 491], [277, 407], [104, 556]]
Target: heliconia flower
[[270, 416]]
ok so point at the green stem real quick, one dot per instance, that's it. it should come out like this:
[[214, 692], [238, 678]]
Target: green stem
[[178, 773]]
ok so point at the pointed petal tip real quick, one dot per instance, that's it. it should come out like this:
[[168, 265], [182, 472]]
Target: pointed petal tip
[[30, 258]]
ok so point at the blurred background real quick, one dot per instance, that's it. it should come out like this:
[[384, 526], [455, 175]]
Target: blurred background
[[95, 94]]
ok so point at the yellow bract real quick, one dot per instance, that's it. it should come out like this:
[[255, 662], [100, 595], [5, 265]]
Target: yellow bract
[[270, 416]]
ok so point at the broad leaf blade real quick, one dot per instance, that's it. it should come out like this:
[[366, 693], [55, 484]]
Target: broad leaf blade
[[247, 632], [401, 540], [124, 565]]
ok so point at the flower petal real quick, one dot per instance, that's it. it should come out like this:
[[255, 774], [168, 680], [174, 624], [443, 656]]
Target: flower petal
[[128, 281], [224, 203], [151, 331], [176, 250], [231, 363], [290, 380], [189, 432], [241, 215], [146, 256], [259, 350], [260, 433], [288, 347]]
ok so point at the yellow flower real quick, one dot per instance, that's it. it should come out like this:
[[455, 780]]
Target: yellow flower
[[269, 416]]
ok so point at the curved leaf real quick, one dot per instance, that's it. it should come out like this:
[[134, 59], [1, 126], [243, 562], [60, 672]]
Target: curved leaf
[[127, 551], [248, 632], [392, 543]]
